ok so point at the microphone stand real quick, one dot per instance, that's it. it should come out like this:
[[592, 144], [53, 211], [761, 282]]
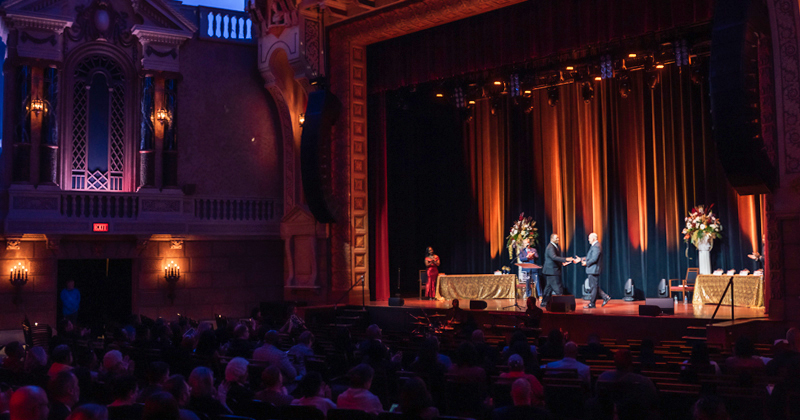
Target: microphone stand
[[360, 280]]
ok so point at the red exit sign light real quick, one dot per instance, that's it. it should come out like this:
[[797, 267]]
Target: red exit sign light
[[99, 227]]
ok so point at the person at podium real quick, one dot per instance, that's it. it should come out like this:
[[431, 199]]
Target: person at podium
[[529, 255]]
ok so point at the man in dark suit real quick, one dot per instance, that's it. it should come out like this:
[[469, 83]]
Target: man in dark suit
[[552, 270], [594, 266]]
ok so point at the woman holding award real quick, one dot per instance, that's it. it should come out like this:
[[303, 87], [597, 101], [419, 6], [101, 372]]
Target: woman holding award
[[432, 262]]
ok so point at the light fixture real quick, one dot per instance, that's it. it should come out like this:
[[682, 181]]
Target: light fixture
[[471, 102], [162, 115], [172, 273], [681, 53], [458, 97], [440, 95], [570, 68], [624, 80], [18, 277], [527, 92], [632, 55], [37, 106], [301, 120], [597, 78], [497, 83], [659, 66], [514, 85], [606, 67]]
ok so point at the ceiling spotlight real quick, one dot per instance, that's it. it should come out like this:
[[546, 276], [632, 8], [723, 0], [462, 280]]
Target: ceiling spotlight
[[497, 83], [440, 95], [570, 68], [659, 66], [598, 78], [527, 92], [632, 55], [587, 92], [471, 102], [552, 96]]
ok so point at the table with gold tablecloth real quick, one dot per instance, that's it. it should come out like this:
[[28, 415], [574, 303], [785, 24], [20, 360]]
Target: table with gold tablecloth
[[476, 286], [748, 291]]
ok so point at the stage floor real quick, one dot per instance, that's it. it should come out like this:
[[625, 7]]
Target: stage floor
[[616, 307]]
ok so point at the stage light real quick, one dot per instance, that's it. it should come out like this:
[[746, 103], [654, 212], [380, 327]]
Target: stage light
[[624, 83], [570, 68], [439, 95], [527, 92], [598, 78], [681, 53], [458, 97], [659, 66], [514, 85], [632, 55], [497, 83], [587, 92], [471, 102], [651, 79], [552, 96], [606, 67], [629, 290]]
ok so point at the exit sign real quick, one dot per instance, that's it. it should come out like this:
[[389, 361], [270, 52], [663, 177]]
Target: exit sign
[[99, 227]]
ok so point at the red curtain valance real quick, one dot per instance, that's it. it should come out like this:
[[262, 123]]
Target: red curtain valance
[[522, 32]]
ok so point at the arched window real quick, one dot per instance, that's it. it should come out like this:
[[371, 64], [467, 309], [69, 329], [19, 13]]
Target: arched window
[[98, 125]]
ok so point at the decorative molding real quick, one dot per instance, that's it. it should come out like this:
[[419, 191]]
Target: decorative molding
[[53, 243], [152, 51], [87, 26], [148, 34], [37, 21], [161, 206], [12, 244], [28, 37], [176, 244], [786, 16], [27, 202]]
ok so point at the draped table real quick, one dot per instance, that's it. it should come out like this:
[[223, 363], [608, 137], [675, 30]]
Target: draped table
[[476, 286], [748, 291]]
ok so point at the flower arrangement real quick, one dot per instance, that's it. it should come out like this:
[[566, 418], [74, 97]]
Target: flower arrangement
[[700, 222], [523, 228]]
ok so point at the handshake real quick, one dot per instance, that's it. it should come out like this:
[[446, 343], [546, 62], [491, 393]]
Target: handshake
[[576, 259]]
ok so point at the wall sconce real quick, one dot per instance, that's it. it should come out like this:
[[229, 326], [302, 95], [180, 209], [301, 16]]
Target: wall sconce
[[301, 119], [37, 106], [18, 278], [162, 115], [172, 273]]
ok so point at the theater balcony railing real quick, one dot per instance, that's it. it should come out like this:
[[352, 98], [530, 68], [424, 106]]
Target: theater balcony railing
[[225, 25], [142, 213]]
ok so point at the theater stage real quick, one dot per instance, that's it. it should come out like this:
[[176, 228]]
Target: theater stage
[[619, 320]]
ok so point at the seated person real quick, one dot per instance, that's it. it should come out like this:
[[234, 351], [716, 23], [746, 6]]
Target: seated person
[[516, 368], [203, 398], [522, 408], [274, 392], [235, 385], [300, 351], [161, 406], [633, 391], [176, 385], [416, 402], [744, 359], [358, 397], [569, 362], [466, 368], [125, 392], [240, 345], [157, 374], [270, 353], [315, 393]]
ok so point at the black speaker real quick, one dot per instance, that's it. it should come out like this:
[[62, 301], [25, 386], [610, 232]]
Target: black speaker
[[740, 42], [667, 305], [663, 289], [561, 303], [649, 310], [396, 301], [478, 304], [321, 113]]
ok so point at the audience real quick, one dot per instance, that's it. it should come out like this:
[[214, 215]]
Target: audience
[[416, 402], [157, 374], [648, 359], [62, 360], [744, 359], [553, 348], [709, 408], [300, 351], [699, 362], [314, 392], [516, 366], [466, 369], [234, 387], [125, 393], [240, 345], [29, 403], [177, 387], [487, 355], [89, 412], [161, 406], [271, 354], [274, 392], [14, 357], [519, 345], [594, 349], [64, 394], [203, 394], [569, 362], [5, 399], [523, 409], [628, 390], [358, 397]]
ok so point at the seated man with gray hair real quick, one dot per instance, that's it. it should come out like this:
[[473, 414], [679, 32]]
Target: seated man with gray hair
[[203, 397]]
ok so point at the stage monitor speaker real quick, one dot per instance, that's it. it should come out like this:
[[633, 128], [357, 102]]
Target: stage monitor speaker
[[561, 303], [649, 310], [315, 155], [663, 289], [478, 304], [742, 119], [667, 305], [586, 290], [396, 301]]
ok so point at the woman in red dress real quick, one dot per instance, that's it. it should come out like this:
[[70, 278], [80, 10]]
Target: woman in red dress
[[432, 262]]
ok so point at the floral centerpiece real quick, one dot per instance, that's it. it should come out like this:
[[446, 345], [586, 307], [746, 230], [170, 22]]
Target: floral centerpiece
[[524, 228], [700, 223]]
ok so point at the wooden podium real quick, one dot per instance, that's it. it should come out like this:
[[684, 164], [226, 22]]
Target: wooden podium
[[527, 265]]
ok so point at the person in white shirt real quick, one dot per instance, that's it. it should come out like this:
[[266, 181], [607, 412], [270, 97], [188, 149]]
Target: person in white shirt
[[569, 362], [358, 397]]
